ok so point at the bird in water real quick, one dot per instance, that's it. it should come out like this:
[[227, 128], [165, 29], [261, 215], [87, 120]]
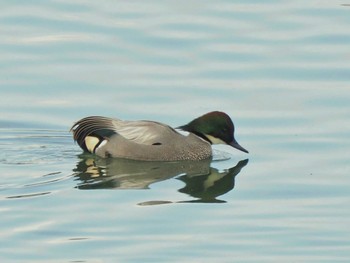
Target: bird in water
[[155, 141]]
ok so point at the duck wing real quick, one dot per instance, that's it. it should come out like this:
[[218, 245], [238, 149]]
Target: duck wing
[[143, 132]]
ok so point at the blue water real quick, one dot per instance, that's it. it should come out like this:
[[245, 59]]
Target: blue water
[[280, 69]]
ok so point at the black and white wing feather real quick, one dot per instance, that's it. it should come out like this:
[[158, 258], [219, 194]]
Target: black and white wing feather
[[89, 132]]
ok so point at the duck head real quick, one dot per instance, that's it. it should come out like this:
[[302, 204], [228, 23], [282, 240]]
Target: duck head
[[215, 127]]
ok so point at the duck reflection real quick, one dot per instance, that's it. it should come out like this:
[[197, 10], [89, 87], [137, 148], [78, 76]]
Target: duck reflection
[[202, 181], [208, 187]]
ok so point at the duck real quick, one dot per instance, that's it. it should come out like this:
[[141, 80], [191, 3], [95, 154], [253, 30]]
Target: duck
[[146, 140]]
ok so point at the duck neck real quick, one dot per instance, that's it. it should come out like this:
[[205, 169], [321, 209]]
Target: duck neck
[[195, 132]]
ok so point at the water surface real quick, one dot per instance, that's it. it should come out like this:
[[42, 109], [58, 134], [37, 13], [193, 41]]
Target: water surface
[[280, 69]]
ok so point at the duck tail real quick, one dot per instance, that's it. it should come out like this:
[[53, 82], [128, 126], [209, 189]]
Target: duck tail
[[91, 131]]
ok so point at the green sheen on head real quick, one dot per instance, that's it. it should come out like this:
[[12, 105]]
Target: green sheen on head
[[215, 127]]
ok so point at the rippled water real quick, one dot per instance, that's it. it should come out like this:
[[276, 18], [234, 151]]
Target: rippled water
[[280, 69]]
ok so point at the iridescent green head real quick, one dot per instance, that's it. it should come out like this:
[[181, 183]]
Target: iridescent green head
[[216, 127]]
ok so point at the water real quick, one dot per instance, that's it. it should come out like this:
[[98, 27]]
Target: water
[[280, 69]]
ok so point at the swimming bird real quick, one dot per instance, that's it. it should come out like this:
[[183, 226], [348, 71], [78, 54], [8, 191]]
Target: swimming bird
[[155, 141]]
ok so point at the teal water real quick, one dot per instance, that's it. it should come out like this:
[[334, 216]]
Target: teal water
[[280, 69]]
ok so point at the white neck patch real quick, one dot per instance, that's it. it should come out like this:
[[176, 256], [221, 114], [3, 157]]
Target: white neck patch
[[215, 140]]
